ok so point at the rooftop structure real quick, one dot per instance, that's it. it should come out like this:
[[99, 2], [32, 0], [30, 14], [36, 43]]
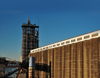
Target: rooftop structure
[[80, 38], [30, 39]]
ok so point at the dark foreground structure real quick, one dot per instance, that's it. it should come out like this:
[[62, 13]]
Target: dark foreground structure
[[78, 57], [30, 39], [2, 67]]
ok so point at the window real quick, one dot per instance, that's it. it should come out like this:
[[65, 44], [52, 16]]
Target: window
[[67, 42], [93, 35], [78, 39], [73, 40], [85, 37], [62, 43], [58, 44]]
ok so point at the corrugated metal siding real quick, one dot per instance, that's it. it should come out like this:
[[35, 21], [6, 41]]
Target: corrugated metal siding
[[52, 63], [77, 60]]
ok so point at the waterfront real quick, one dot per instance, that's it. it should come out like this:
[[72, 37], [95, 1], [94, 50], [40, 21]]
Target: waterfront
[[7, 70]]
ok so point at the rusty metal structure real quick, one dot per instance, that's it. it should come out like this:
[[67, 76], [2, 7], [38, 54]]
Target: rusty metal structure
[[6, 66], [30, 39], [77, 57]]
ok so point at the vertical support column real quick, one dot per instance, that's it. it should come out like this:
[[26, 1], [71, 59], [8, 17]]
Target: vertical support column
[[36, 72], [68, 61], [58, 62], [88, 48], [85, 61], [55, 63], [63, 63], [52, 63], [40, 62], [45, 61], [99, 58], [95, 58], [73, 61], [79, 60], [31, 67], [49, 61]]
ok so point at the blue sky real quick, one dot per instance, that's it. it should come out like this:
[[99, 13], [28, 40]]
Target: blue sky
[[58, 20]]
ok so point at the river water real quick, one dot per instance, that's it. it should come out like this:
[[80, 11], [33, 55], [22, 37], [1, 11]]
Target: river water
[[7, 70]]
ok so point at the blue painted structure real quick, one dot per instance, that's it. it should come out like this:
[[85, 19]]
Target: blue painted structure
[[31, 61]]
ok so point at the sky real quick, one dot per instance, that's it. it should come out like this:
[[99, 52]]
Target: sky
[[58, 20]]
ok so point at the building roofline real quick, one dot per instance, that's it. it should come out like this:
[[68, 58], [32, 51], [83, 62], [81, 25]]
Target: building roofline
[[88, 36]]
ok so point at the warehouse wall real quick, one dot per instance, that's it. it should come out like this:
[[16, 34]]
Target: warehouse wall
[[77, 60]]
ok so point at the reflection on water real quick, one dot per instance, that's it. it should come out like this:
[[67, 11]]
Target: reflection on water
[[8, 70]]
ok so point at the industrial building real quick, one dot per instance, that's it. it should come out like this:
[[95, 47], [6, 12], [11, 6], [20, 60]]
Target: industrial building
[[77, 57], [30, 39]]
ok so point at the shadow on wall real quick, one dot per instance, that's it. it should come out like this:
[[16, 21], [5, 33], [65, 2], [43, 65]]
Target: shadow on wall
[[43, 67]]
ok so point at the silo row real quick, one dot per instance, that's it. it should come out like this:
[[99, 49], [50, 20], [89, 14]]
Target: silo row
[[77, 60]]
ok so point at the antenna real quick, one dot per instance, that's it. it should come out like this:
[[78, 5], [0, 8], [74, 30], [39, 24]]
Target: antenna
[[28, 18], [38, 21], [38, 32]]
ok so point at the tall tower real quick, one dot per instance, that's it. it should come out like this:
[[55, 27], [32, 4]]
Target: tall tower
[[30, 39]]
